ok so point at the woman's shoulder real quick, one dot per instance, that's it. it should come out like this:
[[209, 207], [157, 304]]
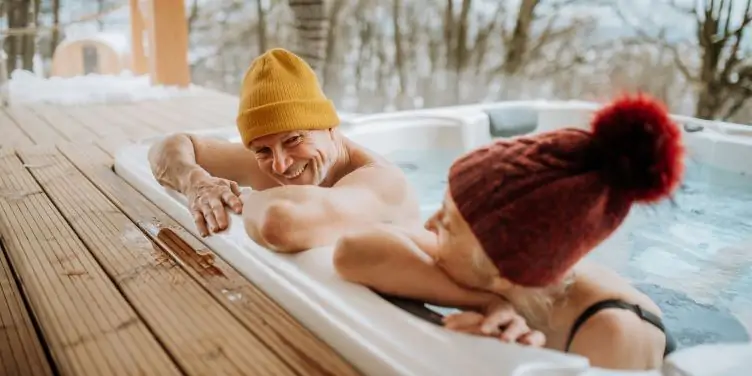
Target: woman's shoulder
[[618, 338]]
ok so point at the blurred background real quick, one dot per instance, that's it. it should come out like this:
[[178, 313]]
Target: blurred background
[[385, 55]]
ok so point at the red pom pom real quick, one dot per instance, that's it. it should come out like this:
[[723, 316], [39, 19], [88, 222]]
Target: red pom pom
[[640, 147]]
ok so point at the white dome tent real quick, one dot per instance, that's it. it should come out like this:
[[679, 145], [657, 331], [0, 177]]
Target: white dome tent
[[101, 53]]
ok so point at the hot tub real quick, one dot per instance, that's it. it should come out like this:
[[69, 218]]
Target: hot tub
[[382, 337]]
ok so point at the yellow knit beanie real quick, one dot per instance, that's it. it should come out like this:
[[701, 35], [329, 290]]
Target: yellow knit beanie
[[280, 93]]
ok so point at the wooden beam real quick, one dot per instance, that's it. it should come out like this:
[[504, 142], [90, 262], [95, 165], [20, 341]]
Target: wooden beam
[[139, 65], [167, 28]]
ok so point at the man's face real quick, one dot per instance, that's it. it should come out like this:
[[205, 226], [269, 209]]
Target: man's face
[[297, 157]]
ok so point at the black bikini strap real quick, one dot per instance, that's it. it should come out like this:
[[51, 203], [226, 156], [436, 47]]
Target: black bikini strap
[[613, 303]]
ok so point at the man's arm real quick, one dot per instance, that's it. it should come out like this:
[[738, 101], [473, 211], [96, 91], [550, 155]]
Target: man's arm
[[181, 157], [296, 218], [207, 171]]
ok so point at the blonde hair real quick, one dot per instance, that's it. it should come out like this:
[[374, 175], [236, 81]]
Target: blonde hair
[[533, 303]]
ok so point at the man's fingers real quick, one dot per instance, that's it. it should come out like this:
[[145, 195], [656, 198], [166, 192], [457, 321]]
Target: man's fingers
[[233, 201], [235, 188], [534, 338], [516, 328], [211, 222], [198, 219], [218, 210]]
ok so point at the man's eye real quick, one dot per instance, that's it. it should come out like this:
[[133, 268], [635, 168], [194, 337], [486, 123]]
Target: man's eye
[[262, 151], [294, 140]]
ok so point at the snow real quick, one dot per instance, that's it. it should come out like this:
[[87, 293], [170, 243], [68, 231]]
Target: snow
[[26, 87]]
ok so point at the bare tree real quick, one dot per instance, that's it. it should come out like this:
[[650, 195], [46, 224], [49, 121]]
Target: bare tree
[[311, 25], [725, 76], [722, 74], [261, 14]]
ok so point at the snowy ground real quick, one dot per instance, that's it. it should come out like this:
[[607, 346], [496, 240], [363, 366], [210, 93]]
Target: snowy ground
[[25, 87]]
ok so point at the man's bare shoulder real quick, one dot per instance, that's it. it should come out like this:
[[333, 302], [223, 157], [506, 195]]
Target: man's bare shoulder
[[375, 173], [367, 166]]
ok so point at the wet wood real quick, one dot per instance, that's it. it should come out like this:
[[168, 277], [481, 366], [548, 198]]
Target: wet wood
[[200, 334], [21, 351], [89, 327], [292, 342]]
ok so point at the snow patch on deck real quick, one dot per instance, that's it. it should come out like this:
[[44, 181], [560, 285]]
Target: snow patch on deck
[[27, 88]]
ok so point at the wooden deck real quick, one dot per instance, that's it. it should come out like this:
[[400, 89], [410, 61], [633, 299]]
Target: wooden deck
[[91, 288]]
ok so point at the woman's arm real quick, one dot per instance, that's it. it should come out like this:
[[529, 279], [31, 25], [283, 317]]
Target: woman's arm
[[396, 262], [388, 261]]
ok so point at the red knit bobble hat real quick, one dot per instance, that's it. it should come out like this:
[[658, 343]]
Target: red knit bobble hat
[[538, 204]]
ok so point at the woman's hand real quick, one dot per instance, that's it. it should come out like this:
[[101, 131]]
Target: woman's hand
[[500, 320]]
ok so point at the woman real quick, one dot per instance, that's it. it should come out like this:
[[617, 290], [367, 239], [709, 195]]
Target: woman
[[517, 219]]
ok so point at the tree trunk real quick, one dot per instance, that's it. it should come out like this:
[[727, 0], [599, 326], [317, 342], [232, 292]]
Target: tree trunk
[[330, 53], [55, 38], [29, 40], [517, 45], [100, 9], [723, 75], [399, 57], [18, 15], [311, 26], [261, 14]]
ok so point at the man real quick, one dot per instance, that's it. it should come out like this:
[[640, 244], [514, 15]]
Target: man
[[311, 184]]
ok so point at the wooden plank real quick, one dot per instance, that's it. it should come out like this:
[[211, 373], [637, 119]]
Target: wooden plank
[[100, 127], [164, 124], [300, 348], [21, 351], [215, 106], [38, 130], [212, 109], [107, 121], [89, 327], [112, 144], [201, 335], [13, 136], [71, 129], [180, 118]]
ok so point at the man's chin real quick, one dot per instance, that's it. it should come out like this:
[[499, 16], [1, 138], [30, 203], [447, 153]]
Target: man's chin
[[303, 180]]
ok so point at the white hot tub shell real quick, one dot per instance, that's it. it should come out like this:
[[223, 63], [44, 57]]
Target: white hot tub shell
[[376, 336]]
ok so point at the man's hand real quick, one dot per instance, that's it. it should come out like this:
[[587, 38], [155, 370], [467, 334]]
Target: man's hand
[[207, 197], [499, 320]]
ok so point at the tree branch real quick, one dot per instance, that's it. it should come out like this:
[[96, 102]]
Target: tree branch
[[680, 64]]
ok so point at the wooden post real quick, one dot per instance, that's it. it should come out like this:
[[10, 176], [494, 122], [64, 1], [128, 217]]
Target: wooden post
[[138, 58], [167, 28]]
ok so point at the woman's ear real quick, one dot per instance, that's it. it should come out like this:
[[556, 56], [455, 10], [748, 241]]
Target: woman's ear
[[500, 285]]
